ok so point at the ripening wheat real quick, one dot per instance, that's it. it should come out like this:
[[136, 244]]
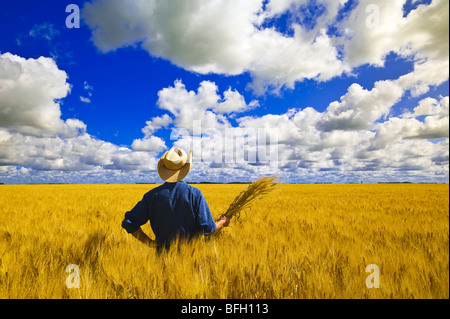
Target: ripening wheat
[[302, 241]]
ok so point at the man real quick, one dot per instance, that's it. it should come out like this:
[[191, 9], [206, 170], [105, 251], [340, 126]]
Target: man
[[175, 209]]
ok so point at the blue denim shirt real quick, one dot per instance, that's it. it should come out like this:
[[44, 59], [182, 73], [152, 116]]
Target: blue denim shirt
[[174, 209]]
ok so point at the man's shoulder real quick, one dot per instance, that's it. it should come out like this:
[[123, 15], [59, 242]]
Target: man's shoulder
[[185, 187], [188, 186], [179, 186], [154, 190]]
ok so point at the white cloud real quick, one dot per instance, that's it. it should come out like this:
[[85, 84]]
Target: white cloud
[[396, 131], [354, 138], [187, 106], [128, 160], [150, 144], [232, 102], [296, 127], [44, 30], [421, 36], [89, 89], [78, 153], [426, 73], [215, 37], [200, 35], [360, 108], [29, 90], [85, 99], [287, 60], [33, 135], [230, 37], [423, 32], [205, 105], [429, 106], [156, 123]]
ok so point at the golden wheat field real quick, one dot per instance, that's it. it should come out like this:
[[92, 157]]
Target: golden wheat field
[[302, 241]]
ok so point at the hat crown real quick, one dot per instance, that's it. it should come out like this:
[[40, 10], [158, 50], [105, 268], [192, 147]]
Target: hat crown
[[174, 165], [175, 159]]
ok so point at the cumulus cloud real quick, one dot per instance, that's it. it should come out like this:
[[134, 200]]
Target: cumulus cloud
[[233, 102], [429, 106], [421, 35], [150, 144], [199, 35], [360, 108], [356, 137], [29, 90], [353, 138], [423, 32], [224, 37], [291, 59], [156, 123], [33, 137], [426, 73], [232, 37], [205, 105], [127, 160], [435, 124]]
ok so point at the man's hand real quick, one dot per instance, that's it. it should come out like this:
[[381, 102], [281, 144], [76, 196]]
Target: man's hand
[[226, 221], [143, 238], [223, 222]]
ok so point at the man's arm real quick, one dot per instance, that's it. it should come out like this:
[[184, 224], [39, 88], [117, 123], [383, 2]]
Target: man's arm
[[143, 238]]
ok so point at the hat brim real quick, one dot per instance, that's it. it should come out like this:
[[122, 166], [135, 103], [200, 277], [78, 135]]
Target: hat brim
[[173, 176]]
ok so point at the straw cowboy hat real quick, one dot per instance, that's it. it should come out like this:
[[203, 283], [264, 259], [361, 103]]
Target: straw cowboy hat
[[174, 165]]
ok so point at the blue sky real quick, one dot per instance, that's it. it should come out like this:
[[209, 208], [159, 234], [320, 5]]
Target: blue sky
[[353, 92]]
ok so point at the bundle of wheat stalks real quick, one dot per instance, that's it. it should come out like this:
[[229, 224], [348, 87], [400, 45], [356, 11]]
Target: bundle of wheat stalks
[[255, 190]]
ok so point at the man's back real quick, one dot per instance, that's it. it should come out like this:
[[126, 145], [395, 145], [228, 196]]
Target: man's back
[[174, 209]]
